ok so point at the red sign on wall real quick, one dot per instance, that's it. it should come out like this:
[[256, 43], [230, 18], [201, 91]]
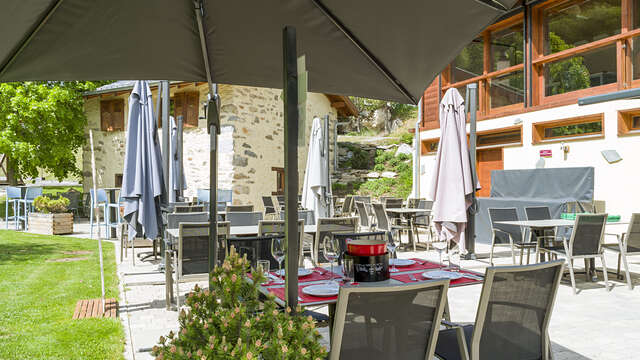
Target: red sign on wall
[[545, 153]]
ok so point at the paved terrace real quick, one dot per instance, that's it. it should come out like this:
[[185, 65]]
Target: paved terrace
[[595, 324]]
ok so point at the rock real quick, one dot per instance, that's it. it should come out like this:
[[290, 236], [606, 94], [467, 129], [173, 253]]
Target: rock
[[388, 174], [240, 161], [250, 153], [373, 175], [380, 118], [404, 149]]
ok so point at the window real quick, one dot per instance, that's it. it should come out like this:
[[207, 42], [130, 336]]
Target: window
[[112, 115], [566, 129], [469, 63], [429, 146], [504, 136], [589, 69], [279, 180], [185, 104], [507, 47], [507, 89], [629, 122], [118, 180]]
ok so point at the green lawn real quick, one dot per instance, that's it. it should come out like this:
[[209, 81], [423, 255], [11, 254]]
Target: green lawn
[[38, 299]]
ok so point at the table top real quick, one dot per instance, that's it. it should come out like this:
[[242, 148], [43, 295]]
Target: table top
[[338, 270], [243, 230], [549, 223], [407, 211]]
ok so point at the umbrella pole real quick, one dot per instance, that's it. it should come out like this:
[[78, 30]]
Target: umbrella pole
[[164, 85], [95, 210], [180, 168], [290, 95], [470, 232]]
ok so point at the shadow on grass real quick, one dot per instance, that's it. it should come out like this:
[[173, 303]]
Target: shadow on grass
[[16, 252]]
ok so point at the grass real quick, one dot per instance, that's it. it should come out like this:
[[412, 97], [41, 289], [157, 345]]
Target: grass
[[39, 297]]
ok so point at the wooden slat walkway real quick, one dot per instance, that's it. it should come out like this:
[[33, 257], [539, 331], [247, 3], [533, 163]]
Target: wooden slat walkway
[[92, 308]]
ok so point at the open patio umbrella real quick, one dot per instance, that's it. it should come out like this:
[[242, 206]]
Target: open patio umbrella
[[142, 177], [316, 175], [452, 187], [370, 48]]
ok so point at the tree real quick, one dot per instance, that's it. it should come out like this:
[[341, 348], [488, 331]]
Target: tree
[[42, 126]]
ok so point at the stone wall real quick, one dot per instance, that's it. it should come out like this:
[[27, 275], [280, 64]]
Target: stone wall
[[251, 142]]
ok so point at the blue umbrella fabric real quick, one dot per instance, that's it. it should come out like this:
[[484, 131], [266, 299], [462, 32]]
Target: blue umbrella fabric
[[142, 178]]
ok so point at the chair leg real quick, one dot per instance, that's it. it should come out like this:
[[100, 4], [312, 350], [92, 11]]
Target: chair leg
[[618, 270], [604, 272], [175, 267], [521, 254], [626, 271], [528, 255], [513, 254], [573, 278], [491, 254]]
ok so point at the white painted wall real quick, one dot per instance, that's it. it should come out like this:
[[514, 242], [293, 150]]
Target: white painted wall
[[617, 183]]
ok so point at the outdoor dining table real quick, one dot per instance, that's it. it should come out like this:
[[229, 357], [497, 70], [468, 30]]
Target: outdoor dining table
[[541, 225], [410, 215], [405, 275]]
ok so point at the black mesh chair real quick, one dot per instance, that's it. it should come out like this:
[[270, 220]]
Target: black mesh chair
[[255, 248], [546, 237], [361, 198], [585, 243], [308, 216], [363, 214], [347, 206], [391, 203], [384, 223], [269, 207], [423, 221], [628, 244], [191, 262], [277, 227], [391, 322], [244, 218], [513, 316], [239, 208], [507, 235], [327, 227]]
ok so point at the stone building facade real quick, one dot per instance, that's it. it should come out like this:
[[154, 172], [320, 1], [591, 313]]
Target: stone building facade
[[251, 140]]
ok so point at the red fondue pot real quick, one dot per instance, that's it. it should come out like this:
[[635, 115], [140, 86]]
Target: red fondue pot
[[366, 247]]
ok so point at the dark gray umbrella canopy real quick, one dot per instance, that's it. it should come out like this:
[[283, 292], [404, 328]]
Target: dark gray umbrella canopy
[[372, 48]]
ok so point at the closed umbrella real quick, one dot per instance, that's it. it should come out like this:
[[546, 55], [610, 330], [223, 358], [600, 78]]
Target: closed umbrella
[[316, 175], [176, 164], [142, 177], [451, 187]]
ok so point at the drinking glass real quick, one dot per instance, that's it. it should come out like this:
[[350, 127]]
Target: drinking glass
[[278, 246], [263, 265], [454, 258], [440, 247], [392, 245], [348, 269], [331, 252]]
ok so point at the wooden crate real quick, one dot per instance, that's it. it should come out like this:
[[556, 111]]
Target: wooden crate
[[51, 224]]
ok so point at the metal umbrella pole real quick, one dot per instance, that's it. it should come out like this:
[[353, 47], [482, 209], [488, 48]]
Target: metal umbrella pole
[[470, 232], [97, 212]]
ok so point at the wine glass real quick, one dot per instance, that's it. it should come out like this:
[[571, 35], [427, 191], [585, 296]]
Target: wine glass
[[440, 246], [278, 246], [392, 245], [331, 252]]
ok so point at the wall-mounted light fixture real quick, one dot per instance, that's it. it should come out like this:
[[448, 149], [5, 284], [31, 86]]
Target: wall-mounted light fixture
[[611, 156]]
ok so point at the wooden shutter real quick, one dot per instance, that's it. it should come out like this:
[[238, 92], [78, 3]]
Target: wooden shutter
[[112, 115], [178, 105], [186, 104]]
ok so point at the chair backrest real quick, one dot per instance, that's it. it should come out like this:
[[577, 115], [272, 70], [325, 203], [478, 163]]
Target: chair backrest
[[361, 210], [225, 195], [392, 203], [413, 203], [382, 221], [13, 193], [502, 235], [174, 220], [362, 198], [193, 247], [514, 311], [423, 219], [101, 198], [203, 195], [579, 207], [343, 237], [537, 213], [587, 234], [269, 207], [599, 206], [239, 208], [391, 322], [308, 216], [244, 218], [35, 191], [632, 236], [277, 227], [255, 247], [347, 205], [280, 199], [326, 227], [188, 208], [75, 199]]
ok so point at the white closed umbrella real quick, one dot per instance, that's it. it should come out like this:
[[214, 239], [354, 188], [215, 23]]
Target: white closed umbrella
[[316, 174], [452, 186]]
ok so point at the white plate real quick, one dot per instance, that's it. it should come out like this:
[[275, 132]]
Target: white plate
[[301, 272], [321, 290], [441, 274], [401, 262]]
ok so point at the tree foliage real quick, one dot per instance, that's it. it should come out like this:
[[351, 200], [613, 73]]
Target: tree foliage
[[42, 126]]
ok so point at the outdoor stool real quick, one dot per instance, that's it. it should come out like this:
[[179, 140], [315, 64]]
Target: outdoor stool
[[13, 196], [27, 202], [102, 203]]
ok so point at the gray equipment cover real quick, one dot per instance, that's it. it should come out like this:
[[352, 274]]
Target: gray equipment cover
[[105, 40]]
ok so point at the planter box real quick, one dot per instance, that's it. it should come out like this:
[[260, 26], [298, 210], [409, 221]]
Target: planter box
[[51, 224]]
